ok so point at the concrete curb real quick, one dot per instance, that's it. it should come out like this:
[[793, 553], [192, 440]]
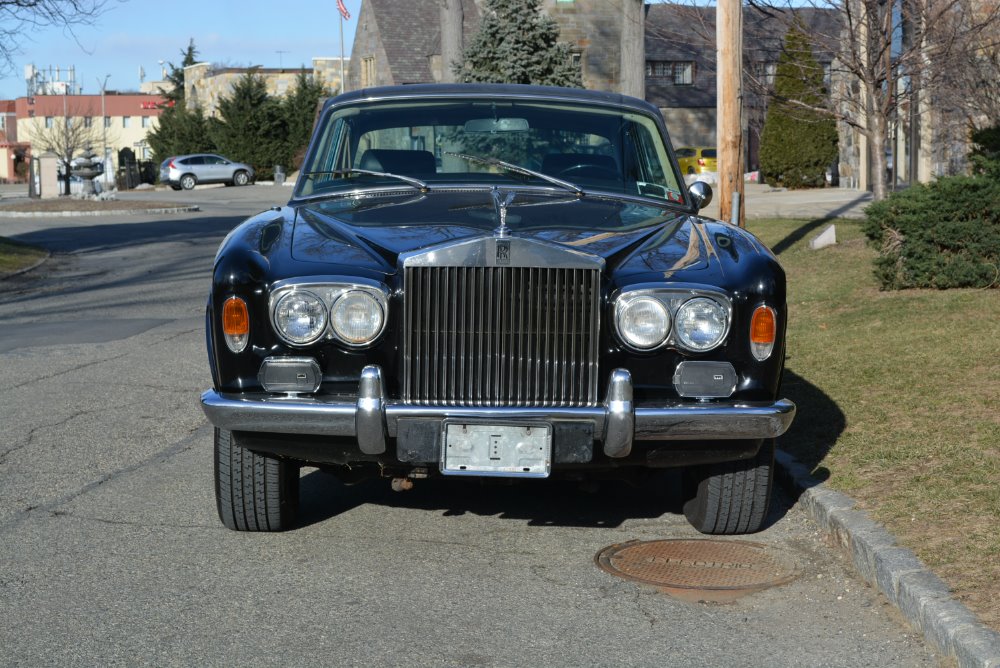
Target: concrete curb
[[922, 597], [109, 212]]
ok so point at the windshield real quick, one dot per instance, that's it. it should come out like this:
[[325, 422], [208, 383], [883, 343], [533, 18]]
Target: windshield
[[590, 148]]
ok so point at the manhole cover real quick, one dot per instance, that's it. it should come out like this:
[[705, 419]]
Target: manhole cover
[[710, 570]]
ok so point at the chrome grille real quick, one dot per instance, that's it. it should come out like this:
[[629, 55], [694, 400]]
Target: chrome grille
[[500, 336]]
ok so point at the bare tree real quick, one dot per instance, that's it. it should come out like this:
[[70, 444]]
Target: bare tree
[[20, 17], [975, 81], [890, 57], [67, 136]]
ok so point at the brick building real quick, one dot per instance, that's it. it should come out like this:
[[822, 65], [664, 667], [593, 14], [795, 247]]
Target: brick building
[[114, 121]]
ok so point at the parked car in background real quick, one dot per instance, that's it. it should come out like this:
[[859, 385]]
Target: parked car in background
[[697, 159], [404, 318], [187, 171]]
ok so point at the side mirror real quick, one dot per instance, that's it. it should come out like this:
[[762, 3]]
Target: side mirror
[[701, 194]]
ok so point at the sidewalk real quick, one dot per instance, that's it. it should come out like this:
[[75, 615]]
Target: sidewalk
[[764, 201], [9, 191]]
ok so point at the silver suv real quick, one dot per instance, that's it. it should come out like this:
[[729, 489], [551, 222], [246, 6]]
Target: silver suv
[[187, 171]]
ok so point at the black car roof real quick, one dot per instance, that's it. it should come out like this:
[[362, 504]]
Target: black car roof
[[493, 90]]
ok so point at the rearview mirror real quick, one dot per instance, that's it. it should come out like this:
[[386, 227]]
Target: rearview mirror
[[495, 125]]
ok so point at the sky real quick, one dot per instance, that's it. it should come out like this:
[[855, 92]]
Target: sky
[[140, 33]]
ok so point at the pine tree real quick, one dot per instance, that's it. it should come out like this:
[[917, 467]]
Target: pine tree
[[798, 142], [175, 95], [299, 109], [180, 131], [516, 43], [250, 126]]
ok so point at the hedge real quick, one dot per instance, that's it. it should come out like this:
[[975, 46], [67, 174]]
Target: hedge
[[945, 234]]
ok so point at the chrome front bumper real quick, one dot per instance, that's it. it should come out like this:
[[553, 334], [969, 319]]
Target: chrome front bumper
[[617, 423]]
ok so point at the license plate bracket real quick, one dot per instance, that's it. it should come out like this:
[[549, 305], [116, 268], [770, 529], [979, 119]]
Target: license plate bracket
[[522, 450]]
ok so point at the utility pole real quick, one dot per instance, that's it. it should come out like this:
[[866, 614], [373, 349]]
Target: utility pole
[[729, 124], [633, 48], [104, 131], [452, 18]]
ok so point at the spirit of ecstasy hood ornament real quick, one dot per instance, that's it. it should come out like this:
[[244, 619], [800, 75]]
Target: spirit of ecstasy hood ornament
[[502, 200]]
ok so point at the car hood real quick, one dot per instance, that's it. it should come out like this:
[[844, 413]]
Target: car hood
[[372, 232]]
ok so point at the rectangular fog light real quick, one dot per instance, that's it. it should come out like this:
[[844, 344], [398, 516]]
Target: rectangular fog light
[[705, 380], [292, 375]]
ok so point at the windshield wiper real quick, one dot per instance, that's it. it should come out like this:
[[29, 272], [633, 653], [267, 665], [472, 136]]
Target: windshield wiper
[[416, 183], [575, 189]]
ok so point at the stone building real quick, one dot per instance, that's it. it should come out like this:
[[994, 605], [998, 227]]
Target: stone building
[[205, 84]]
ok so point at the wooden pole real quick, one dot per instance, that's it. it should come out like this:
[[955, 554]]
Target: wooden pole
[[452, 17], [729, 125], [633, 48]]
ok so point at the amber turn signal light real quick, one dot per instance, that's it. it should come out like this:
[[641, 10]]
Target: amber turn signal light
[[763, 332], [235, 324]]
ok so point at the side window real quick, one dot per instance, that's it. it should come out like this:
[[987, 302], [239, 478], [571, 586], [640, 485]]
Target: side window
[[194, 160], [685, 153], [651, 172]]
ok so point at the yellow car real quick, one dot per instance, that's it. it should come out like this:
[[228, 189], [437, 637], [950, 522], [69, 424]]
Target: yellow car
[[697, 159]]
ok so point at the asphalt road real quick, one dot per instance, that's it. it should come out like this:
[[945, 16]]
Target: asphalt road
[[111, 552]]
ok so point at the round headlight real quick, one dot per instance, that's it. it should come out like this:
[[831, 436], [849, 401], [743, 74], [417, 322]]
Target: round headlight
[[701, 324], [357, 317], [643, 322], [300, 317]]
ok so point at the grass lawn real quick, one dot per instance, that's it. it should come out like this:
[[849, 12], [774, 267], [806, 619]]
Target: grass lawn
[[899, 402], [15, 256]]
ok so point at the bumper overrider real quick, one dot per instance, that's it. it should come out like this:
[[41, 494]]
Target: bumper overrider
[[618, 422]]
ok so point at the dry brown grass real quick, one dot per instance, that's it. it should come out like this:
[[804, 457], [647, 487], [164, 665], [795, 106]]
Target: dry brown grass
[[70, 204], [899, 404], [15, 256]]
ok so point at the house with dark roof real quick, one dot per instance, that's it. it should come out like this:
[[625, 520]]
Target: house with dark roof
[[681, 67]]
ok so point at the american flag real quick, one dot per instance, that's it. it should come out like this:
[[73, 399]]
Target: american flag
[[343, 10]]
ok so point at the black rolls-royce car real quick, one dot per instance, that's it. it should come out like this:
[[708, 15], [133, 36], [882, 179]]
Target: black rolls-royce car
[[488, 280]]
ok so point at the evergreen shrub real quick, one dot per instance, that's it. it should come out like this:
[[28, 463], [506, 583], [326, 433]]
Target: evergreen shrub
[[944, 234]]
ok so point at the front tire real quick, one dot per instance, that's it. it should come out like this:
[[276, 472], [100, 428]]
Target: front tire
[[731, 497], [253, 492]]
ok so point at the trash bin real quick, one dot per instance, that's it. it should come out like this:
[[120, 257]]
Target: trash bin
[[279, 175]]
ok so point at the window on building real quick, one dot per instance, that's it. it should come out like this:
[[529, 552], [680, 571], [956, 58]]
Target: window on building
[[107, 121], [49, 122], [88, 122], [126, 121], [826, 74], [677, 73], [146, 121], [683, 74], [368, 71]]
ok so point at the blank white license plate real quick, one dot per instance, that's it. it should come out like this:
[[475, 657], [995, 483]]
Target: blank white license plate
[[515, 451]]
